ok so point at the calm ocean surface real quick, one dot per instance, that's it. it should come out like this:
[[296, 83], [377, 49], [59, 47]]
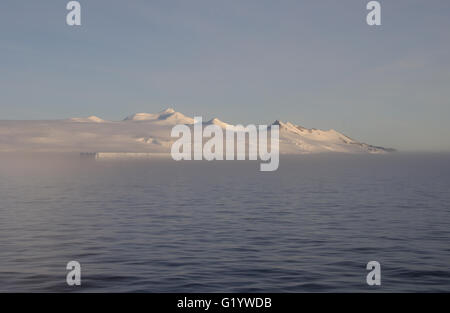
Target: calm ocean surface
[[165, 226]]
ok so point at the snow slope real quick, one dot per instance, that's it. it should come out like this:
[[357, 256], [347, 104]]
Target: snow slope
[[150, 132]]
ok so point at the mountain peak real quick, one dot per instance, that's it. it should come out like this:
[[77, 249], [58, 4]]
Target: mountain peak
[[216, 121], [167, 116], [167, 111], [287, 125], [277, 122], [90, 119], [141, 117]]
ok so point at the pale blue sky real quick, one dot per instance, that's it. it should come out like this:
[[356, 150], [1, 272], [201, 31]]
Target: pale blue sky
[[315, 63]]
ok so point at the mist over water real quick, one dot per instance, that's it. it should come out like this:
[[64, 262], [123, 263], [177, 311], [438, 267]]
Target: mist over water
[[224, 226]]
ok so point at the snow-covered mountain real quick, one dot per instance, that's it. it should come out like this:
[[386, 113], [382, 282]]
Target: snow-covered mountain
[[150, 132], [297, 139], [90, 119], [166, 117], [216, 121]]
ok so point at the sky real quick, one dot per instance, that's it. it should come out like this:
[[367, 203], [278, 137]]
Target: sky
[[313, 63]]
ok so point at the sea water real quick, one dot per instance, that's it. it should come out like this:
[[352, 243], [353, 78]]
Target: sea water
[[224, 226]]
